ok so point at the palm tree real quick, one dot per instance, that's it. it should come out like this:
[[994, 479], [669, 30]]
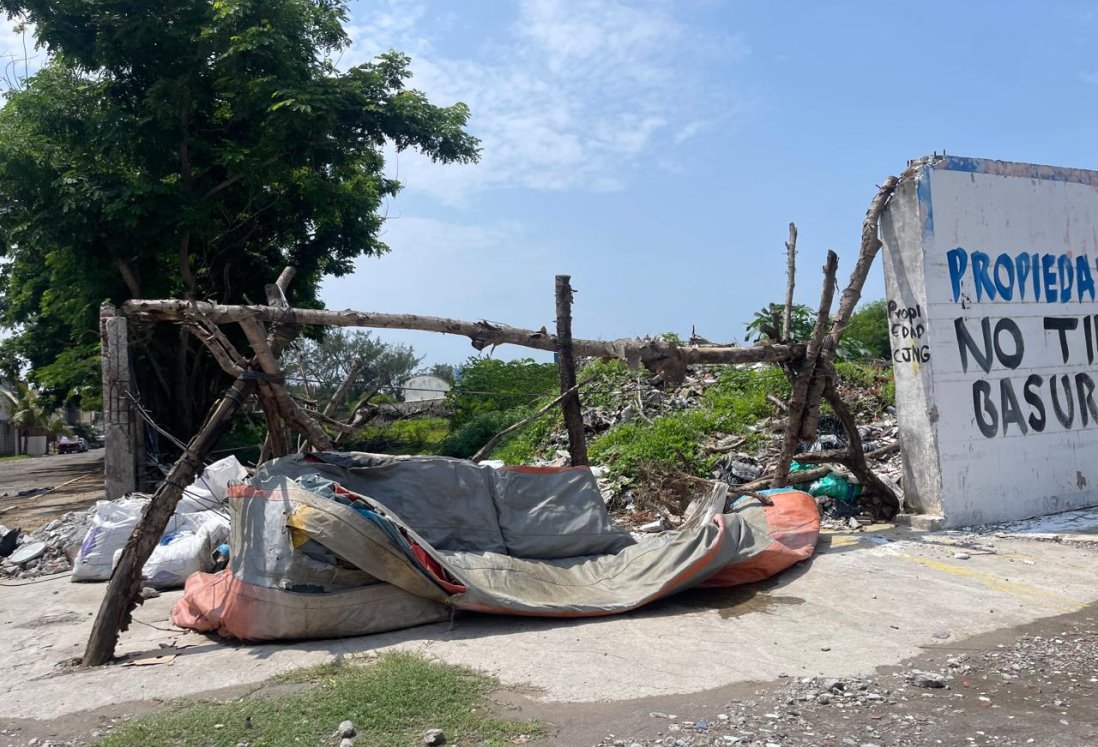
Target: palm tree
[[28, 415]]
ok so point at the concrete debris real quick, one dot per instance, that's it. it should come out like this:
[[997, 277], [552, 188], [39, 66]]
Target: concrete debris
[[60, 540]]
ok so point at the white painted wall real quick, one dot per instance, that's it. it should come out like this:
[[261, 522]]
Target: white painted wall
[[961, 458], [421, 388]]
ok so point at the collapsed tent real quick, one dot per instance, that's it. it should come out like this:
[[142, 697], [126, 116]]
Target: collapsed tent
[[338, 544]]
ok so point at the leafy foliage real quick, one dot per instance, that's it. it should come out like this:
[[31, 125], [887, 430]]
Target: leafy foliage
[[866, 335], [489, 385], [733, 405], [869, 327], [763, 326], [445, 371], [191, 148], [490, 395]]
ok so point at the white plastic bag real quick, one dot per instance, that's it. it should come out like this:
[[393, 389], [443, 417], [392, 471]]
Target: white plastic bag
[[186, 547], [112, 524], [217, 476], [195, 499]]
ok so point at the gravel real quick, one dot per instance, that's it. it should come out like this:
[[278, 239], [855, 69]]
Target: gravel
[[1038, 688]]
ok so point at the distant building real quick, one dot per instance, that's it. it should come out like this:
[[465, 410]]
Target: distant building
[[421, 388]]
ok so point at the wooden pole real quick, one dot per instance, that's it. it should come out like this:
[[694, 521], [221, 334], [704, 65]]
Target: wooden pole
[[790, 282], [798, 398], [123, 592], [871, 243], [566, 364]]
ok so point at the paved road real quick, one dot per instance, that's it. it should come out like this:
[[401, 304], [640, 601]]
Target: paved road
[[47, 471], [77, 480]]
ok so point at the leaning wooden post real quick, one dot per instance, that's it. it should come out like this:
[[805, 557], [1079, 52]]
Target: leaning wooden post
[[790, 281], [123, 591], [120, 457], [798, 397], [573, 417]]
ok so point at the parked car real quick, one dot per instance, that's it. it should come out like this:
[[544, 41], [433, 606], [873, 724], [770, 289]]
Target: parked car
[[71, 445]]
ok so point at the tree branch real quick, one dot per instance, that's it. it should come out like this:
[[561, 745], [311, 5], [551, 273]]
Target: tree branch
[[656, 354], [791, 277], [128, 277]]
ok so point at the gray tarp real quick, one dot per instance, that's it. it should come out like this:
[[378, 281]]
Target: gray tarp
[[448, 532]]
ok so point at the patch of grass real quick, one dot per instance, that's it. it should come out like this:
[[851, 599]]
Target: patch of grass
[[13, 458], [418, 436], [667, 439], [391, 702], [523, 447], [738, 399]]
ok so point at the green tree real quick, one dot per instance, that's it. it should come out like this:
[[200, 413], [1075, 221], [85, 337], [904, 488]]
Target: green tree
[[445, 371], [34, 416], [490, 395], [869, 327], [317, 368], [489, 385], [191, 149], [859, 340]]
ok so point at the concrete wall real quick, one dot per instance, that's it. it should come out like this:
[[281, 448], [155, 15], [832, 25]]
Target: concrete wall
[[990, 272], [420, 388]]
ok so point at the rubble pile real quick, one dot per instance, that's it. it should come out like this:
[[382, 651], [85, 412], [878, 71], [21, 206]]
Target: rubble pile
[[51, 548], [739, 458]]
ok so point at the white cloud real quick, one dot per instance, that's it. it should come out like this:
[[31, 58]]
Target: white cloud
[[573, 96]]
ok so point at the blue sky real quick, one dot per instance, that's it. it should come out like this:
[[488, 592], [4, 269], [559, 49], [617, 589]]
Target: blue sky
[[656, 151]]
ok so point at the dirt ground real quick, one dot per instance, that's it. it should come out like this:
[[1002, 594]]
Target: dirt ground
[[76, 479], [1030, 685]]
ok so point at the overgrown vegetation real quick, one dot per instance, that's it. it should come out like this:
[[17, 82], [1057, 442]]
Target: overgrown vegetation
[[411, 436], [390, 702], [865, 338], [490, 395], [731, 406]]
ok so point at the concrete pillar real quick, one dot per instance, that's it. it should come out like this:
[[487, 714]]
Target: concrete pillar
[[120, 459], [990, 270]]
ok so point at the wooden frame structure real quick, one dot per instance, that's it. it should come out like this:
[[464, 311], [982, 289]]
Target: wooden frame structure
[[269, 328]]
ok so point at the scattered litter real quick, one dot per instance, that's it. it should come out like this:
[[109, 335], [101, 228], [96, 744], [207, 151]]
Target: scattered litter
[[28, 552], [928, 680]]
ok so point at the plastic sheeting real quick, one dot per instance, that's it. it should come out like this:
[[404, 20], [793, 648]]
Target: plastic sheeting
[[451, 534]]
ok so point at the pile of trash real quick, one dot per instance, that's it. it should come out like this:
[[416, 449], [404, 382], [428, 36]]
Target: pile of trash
[[838, 494], [89, 543], [47, 550]]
